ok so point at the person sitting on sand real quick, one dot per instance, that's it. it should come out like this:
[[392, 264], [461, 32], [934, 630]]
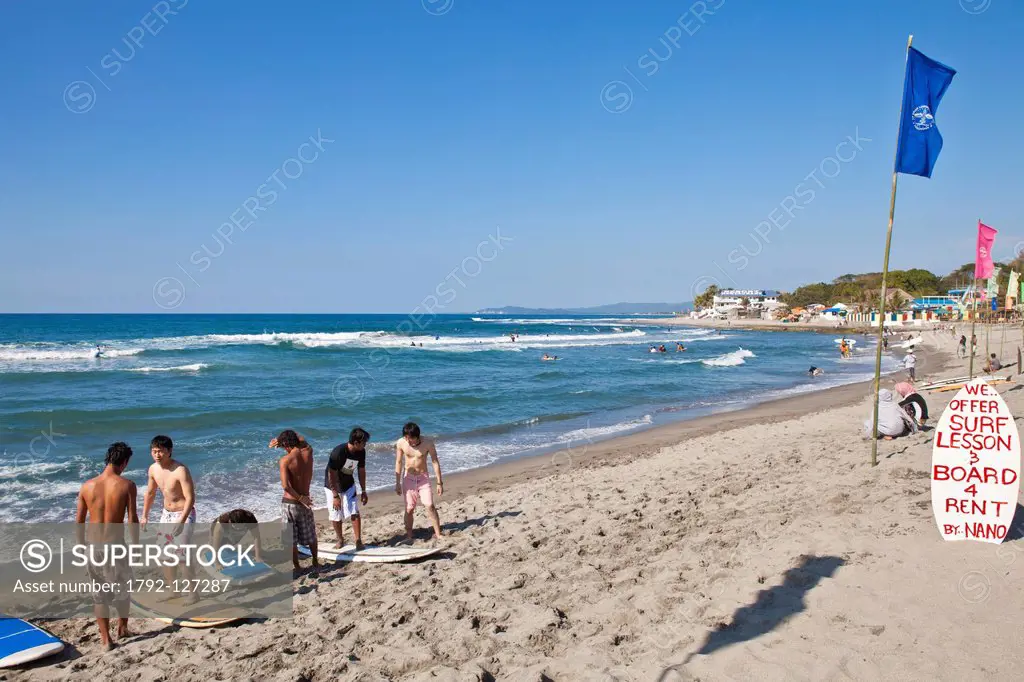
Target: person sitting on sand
[[893, 421], [412, 479], [347, 461], [912, 401], [815, 371], [107, 502], [231, 527], [993, 364], [178, 519], [296, 469]]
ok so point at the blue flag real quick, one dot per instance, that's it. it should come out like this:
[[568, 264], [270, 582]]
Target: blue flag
[[923, 87]]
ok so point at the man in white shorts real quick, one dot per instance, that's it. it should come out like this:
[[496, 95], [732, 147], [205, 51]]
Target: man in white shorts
[[178, 520], [341, 487]]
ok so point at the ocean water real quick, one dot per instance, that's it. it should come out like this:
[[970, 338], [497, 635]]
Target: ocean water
[[223, 385]]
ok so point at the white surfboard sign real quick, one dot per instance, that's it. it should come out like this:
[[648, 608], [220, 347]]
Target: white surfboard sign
[[975, 466]]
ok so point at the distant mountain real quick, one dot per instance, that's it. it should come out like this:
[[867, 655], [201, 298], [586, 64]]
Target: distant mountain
[[609, 309]]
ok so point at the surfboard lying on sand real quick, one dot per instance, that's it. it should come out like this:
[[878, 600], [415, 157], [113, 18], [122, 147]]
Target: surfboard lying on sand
[[959, 380], [957, 387], [21, 642], [372, 554], [187, 622]]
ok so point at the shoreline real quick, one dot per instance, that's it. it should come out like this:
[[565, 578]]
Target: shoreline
[[640, 443], [771, 325]]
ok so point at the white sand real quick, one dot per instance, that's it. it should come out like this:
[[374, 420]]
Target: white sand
[[767, 548]]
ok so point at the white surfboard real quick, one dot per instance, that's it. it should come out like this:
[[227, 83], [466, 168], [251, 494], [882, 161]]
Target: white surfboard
[[196, 622], [849, 342], [21, 642], [373, 554], [912, 342], [975, 466]]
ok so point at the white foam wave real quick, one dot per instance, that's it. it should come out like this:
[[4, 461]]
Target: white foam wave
[[180, 368], [53, 352], [737, 357], [592, 432]]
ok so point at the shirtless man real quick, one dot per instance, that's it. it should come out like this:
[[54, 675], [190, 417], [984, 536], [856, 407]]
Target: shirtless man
[[178, 520], [106, 501], [296, 469], [411, 453]]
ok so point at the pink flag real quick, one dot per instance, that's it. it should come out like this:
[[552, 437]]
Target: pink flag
[[983, 260]]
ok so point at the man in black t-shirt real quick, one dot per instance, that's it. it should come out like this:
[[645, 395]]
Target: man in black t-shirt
[[341, 487]]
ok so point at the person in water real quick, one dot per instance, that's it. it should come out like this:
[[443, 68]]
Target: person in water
[[680, 347], [99, 351], [815, 371], [549, 357], [662, 349]]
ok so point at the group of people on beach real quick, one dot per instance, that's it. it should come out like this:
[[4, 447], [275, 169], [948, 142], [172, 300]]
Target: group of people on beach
[[111, 499]]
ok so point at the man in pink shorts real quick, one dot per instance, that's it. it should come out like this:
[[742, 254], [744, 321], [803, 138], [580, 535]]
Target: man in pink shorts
[[412, 479]]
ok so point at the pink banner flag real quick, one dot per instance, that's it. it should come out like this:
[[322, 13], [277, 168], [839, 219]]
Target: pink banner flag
[[983, 260]]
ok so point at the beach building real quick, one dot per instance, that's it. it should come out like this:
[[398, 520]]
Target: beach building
[[836, 313], [728, 300]]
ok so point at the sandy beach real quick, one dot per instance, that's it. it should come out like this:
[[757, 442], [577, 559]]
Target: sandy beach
[[755, 544]]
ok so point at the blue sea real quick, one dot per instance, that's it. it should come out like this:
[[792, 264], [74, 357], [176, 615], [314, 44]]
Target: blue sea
[[223, 385]]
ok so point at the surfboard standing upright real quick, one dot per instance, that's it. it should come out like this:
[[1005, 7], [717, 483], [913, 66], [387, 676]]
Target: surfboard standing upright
[[975, 466]]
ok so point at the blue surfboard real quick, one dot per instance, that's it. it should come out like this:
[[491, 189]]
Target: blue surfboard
[[21, 642]]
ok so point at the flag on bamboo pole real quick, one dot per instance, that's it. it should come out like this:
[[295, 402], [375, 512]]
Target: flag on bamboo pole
[[993, 285], [983, 257], [1011, 289], [924, 84]]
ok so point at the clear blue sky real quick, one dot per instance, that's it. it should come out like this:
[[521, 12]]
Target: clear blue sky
[[480, 115]]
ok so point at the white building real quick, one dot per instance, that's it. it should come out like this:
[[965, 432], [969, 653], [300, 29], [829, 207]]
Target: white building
[[760, 299]]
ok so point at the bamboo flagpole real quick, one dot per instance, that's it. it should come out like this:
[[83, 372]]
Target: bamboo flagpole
[[885, 274], [974, 318]]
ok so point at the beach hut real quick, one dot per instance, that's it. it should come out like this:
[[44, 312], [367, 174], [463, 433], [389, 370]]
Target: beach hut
[[835, 313]]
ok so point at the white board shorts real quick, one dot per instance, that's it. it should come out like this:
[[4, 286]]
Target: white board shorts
[[349, 505]]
